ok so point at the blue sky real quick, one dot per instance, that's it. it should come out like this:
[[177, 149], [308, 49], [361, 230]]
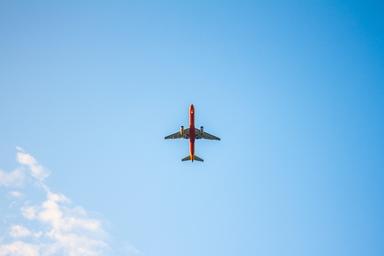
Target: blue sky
[[295, 90]]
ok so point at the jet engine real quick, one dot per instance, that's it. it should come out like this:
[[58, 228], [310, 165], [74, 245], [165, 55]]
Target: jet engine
[[202, 129], [182, 130]]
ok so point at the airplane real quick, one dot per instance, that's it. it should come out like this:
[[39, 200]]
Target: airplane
[[192, 133]]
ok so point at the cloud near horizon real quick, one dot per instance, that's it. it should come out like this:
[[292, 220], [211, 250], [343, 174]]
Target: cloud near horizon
[[53, 226]]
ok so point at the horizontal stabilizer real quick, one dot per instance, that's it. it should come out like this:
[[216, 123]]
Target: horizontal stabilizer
[[187, 158], [198, 158]]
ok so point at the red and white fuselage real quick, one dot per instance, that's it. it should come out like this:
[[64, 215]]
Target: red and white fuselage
[[192, 133]]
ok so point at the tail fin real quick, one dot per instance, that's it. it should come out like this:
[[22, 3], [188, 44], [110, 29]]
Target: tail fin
[[187, 158]]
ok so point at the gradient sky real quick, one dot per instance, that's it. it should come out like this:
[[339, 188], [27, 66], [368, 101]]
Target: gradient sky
[[294, 89]]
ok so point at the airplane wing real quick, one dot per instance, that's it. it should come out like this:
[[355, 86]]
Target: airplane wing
[[177, 135], [204, 135]]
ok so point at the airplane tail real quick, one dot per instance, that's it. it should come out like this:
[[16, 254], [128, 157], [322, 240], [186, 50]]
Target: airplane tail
[[187, 158]]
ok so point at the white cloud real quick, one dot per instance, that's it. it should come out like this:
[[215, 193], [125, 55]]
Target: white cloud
[[28, 212], [19, 231], [12, 179], [15, 194], [37, 171], [19, 248], [70, 230], [55, 225]]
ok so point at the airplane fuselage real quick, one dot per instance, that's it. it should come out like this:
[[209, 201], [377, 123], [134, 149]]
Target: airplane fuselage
[[192, 133]]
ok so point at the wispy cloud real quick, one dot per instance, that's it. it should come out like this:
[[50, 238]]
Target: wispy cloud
[[19, 248], [18, 231], [54, 226], [15, 194], [12, 179], [36, 170]]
